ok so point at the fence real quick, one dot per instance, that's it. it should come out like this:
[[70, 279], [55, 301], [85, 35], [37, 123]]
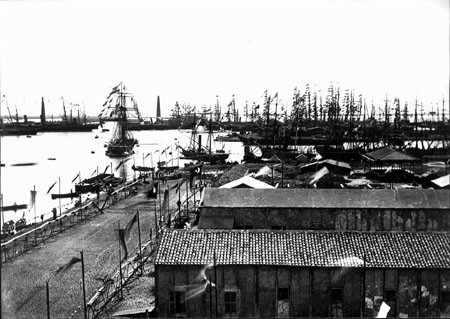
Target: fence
[[19, 245], [140, 262]]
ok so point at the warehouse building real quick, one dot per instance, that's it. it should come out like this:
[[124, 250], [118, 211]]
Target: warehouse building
[[326, 209], [297, 273]]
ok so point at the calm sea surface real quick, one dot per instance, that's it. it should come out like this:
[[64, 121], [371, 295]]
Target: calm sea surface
[[61, 157]]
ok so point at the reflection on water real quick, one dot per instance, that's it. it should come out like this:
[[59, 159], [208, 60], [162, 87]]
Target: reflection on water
[[66, 158]]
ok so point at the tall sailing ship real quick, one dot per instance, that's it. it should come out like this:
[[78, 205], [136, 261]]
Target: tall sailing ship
[[121, 108]]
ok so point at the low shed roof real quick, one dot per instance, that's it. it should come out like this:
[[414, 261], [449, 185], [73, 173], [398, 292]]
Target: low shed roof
[[327, 198], [305, 248]]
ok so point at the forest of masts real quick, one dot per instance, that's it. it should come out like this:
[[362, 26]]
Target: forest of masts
[[308, 107]]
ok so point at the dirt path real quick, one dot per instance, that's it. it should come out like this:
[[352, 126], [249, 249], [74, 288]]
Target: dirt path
[[23, 290]]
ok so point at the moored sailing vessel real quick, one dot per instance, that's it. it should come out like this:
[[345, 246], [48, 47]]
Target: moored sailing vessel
[[198, 152], [116, 109]]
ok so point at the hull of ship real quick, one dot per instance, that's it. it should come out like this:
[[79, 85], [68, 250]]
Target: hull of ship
[[119, 150], [212, 158], [18, 131]]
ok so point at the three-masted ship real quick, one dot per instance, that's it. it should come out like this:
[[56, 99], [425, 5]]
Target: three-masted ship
[[120, 108]]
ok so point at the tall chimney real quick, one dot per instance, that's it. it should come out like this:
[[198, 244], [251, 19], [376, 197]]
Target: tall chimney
[[158, 108], [42, 112]]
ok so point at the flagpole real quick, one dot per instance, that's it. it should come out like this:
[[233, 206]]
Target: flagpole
[[48, 300], [134, 172], [81, 193], [84, 287], [156, 219], [168, 204], [34, 202], [120, 263], [1, 209], [140, 244], [59, 186]]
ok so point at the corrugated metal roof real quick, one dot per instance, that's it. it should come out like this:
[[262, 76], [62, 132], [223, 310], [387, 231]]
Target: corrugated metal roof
[[305, 248], [327, 198], [388, 154]]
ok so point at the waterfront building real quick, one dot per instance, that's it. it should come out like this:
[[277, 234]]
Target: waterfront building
[[326, 209], [276, 273], [309, 253]]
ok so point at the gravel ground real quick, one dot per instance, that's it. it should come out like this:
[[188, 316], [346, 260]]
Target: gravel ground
[[23, 290]]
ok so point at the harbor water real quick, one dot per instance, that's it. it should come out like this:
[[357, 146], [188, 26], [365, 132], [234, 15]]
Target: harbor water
[[40, 161]]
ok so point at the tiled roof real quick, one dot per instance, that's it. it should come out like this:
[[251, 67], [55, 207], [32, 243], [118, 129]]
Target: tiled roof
[[327, 198], [387, 154], [305, 248]]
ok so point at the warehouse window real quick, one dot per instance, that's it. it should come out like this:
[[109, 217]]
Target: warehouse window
[[390, 295], [283, 293], [177, 302], [445, 297], [231, 300], [336, 295]]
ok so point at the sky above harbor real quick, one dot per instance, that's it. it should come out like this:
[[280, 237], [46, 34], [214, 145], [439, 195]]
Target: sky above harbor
[[191, 51]]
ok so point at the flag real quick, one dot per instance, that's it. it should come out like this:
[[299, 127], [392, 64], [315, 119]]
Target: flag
[[147, 155], [231, 103], [69, 265], [51, 187], [33, 198], [124, 234], [121, 234], [194, 172], [257, 107], [93, 173], [106, 168], [164, 150], [130, 225], [275, 96], [165, 204], [73, 180], [114, 90]]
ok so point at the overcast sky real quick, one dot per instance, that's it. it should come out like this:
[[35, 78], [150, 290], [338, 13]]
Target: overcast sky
[[191, 51]]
